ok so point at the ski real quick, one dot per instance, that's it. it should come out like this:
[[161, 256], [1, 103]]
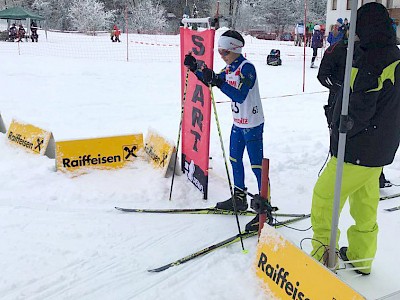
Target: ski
[[201, 211], [224, 243], [389, 196], [393, 208]]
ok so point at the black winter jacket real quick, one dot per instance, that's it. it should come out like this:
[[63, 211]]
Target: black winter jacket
[[331, 73], [374, 103]]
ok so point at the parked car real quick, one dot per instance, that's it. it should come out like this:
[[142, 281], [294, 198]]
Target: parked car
[[286, 36], [263, 35]]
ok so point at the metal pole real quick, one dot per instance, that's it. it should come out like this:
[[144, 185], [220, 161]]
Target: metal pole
[[304, 45], [127, 35], [342, 138]]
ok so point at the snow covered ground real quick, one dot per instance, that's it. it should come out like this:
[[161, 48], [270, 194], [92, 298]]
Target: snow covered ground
[[61, 237]]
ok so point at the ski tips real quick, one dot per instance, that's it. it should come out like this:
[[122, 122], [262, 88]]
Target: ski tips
[[158, 269]]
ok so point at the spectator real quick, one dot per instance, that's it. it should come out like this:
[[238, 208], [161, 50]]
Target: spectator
[[334, 35], [309, 32], [331, 72], [316, 42], [12, 33], [299, 32], [345, 26], [371, 141], [331, 75], [339, 22], [21, 33], [34, 34]]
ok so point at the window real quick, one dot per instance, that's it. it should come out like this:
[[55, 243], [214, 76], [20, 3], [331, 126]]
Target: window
[[389, 4], [348, 5], [334, 4]]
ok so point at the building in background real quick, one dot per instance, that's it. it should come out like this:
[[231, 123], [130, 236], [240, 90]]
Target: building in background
[[341, 9]]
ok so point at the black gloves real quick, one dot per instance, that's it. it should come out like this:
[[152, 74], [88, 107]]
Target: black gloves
[[332, 83], [209, 77], [190, 62]]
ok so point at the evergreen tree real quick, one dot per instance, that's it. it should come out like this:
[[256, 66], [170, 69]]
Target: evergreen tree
[[55, 12], [89, 15], [147, 17]]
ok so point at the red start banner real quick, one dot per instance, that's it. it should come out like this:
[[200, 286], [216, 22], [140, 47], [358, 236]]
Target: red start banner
[[197, 108]]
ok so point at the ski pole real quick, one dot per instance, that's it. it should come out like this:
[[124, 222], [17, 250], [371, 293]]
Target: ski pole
[[179, 132], [226, 166]]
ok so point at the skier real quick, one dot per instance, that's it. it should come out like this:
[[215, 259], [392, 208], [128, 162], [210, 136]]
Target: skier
[[372, 141], [317, 41], [115, 33], [238, 80]]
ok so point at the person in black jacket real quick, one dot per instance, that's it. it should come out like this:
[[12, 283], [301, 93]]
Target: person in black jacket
[[371, 141], [331, 72], [331, 76]]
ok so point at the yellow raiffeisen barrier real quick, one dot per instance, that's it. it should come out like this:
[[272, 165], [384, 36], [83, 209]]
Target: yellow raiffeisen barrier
[[100, 153], [159, 150], [2, 126], [289, 273], [31, 138]]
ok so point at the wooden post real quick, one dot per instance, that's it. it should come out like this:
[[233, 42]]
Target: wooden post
[[264, 191]]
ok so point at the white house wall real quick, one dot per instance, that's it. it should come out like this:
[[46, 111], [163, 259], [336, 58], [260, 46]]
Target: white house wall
[[342, 12]]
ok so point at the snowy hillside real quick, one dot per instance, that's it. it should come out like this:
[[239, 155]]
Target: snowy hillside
[[62, 237]]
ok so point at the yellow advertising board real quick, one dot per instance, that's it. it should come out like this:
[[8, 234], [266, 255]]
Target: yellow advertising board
[[2, 126], [31, 138], [99, 153], [287, 272], [159, 150]]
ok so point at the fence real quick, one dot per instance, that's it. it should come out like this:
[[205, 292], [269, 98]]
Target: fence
[[141, 47]]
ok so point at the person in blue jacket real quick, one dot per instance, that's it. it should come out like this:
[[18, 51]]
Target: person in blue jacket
[[334, 35], [317, 41], [238, 80]]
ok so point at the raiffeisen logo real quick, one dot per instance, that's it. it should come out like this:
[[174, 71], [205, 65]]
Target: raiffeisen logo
[[280, 277], [16, 138], [88, 160]]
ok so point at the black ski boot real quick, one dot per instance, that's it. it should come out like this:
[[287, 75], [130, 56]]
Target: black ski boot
[[383, 183], [253, 224], [343, 256], [240, 201]]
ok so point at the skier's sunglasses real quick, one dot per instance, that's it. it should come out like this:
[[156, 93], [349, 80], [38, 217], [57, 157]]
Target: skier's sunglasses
[[223, 52]]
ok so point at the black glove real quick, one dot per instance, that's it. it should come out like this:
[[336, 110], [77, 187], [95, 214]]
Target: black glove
[[190, 62], [332, 84], [210, 77]]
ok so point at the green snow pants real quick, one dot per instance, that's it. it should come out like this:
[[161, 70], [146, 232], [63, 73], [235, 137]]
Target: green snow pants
[[361, 185]]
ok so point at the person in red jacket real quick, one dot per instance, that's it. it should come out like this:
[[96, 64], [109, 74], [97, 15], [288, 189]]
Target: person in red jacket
[[115, 33]]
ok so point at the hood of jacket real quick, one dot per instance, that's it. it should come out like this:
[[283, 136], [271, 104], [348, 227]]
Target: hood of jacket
[[374, 26]]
